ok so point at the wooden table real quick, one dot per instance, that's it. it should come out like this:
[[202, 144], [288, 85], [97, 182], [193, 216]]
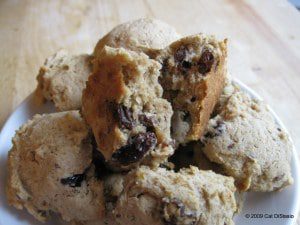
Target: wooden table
[[264, 41]]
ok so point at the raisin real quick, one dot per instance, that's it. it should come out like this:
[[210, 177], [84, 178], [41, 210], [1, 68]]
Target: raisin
[[136, 148], [186, 64], [193, 99], [180, 54], [205, 62], [179, 58], [125, 117], [147, 121], [73, 181]]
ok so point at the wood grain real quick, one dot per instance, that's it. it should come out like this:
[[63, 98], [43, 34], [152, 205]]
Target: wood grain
[[264, 37]]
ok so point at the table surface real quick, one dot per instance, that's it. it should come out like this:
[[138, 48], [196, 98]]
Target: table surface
[[264, 41]]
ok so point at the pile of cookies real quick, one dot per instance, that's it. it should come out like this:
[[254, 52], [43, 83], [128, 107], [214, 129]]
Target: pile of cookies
[[149, 129]]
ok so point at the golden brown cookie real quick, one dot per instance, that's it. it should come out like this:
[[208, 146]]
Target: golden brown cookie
[[50, 171], [192, 76], [124, 106]]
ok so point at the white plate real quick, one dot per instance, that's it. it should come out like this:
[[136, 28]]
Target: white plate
[[256, 204]]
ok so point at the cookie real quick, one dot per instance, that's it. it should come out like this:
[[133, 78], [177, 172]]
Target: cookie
[[192, 76], [190, 196], [138, 35], [124, 106], [62, 78], [249, 145], [50, 169]]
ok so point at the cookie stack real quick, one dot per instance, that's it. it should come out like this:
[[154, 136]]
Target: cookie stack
[[149, 130]]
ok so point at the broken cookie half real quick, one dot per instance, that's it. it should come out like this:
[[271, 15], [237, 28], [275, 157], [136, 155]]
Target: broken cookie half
[[123, 104], [193, 75]]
